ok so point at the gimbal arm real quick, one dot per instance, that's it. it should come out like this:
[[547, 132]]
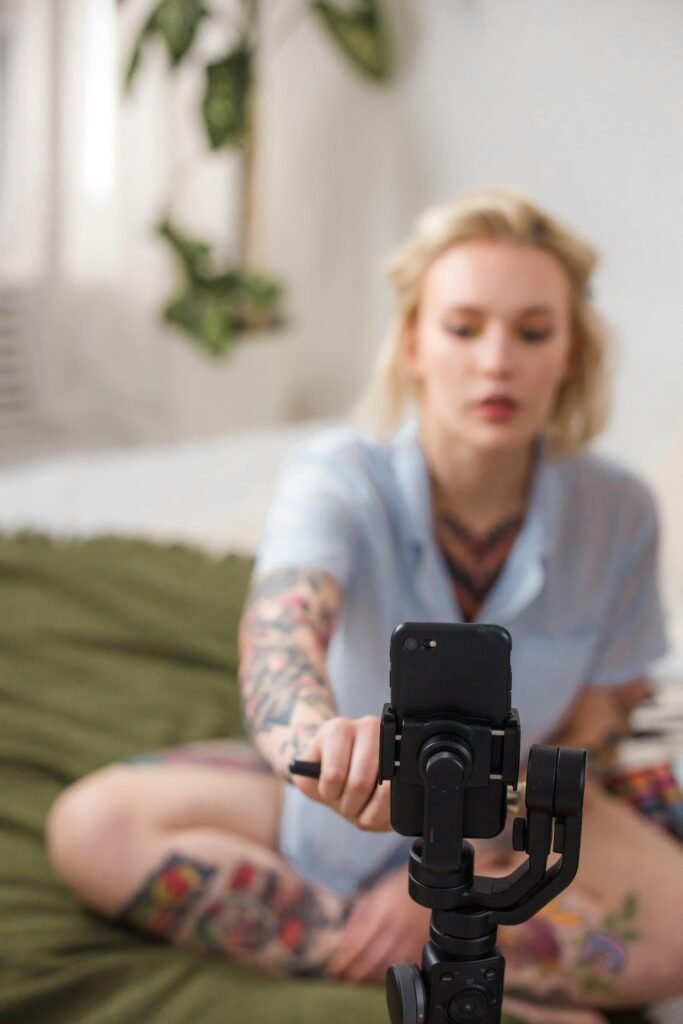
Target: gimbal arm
[[554, 801]]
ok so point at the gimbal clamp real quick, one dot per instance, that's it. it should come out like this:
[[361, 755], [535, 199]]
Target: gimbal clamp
[[461, 981]]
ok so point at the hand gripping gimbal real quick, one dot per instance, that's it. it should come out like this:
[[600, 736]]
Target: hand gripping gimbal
[[461, 979]]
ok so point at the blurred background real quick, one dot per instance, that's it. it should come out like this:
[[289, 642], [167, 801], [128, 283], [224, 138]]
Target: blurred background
[[197, 200]]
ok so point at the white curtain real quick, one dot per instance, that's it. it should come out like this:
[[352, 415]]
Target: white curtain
[[26, 249], [89, 174]]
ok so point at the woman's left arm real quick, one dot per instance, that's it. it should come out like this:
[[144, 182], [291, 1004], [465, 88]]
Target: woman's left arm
[[632, 634], [601, 714]]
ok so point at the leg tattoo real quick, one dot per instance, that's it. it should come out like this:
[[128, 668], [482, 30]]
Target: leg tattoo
[[566, 952], [258, 916]]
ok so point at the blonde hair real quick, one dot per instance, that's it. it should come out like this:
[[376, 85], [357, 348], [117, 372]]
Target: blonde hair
[[581, 408]]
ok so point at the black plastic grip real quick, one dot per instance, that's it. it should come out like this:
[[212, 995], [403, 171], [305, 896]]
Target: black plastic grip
[[311, 769]]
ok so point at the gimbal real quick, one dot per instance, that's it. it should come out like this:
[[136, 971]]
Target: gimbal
[[461, 979]]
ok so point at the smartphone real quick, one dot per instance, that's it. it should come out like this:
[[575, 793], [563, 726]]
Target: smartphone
[[456, 671]]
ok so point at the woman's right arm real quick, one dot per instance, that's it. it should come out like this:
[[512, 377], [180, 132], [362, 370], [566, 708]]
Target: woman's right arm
[[289, 707], [285, 631]]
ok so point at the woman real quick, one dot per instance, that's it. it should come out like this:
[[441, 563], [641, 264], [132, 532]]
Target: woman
[[480, 508]]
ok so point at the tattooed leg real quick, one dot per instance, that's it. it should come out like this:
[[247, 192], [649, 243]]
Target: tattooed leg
[[104, 831], [572, 950], [521, 1011], [187, 852], [254, 910], [611, 939]]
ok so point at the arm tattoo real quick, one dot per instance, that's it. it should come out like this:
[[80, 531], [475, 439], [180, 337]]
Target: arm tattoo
[[284, 636]]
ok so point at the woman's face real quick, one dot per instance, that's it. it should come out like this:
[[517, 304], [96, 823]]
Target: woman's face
[[491, 342]]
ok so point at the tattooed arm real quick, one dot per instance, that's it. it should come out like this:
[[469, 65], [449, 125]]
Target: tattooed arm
[[288, 702], [284, 635]]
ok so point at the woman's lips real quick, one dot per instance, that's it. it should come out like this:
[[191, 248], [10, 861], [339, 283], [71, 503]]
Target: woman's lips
[[498, 409]]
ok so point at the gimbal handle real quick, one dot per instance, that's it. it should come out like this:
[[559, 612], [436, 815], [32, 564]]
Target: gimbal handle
[[554, 805], [462, 968]]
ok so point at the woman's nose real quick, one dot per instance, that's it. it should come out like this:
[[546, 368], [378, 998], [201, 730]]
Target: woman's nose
[[497, 353]]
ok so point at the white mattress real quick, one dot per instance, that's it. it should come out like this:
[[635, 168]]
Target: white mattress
[[210, 493]]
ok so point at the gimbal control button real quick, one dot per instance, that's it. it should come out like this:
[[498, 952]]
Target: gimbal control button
[[468, 1006]]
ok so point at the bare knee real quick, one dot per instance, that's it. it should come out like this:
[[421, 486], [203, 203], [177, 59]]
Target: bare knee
[[91, 832]]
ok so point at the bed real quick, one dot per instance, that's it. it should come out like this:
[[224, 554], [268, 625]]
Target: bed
[[122, 576]]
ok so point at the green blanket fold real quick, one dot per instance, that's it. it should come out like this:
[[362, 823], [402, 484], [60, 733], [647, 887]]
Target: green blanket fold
[[110, 648]]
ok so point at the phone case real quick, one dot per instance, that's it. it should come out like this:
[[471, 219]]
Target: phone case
[[452, 669]]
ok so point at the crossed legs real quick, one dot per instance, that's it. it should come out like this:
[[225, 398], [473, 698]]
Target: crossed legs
[[183, 845]]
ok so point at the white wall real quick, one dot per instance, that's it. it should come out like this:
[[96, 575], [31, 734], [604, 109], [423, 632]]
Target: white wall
[[579, 104]]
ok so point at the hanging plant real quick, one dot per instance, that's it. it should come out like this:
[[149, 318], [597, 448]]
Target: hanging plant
[[360, 34], [175, 23], [216, 307]]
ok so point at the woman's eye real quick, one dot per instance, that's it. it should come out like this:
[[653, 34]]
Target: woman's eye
[[461, 330], [535, 335]]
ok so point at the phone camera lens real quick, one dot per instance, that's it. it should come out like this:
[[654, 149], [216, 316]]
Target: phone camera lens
[[410, 643], [469, 1006]]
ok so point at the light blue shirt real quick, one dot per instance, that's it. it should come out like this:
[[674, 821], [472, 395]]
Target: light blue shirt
[[578, 594]]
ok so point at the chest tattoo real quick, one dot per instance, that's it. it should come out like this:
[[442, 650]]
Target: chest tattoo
[[474, 560]]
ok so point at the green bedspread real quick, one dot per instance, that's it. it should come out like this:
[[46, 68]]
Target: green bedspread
[[110, 648]]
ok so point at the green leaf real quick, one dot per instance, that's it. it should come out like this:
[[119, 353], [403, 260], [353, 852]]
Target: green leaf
[[213, 308], [359, 29], [259, 298], [631, 935], [192, 253], [134, 61], [207, 316], [176, 23], [214, 312], [227, 98]]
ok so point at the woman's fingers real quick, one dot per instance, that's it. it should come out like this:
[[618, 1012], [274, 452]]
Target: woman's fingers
[[365, 942], [385, 927], [336, 747], [357, 931], [348, 752], [376, 815], [632, 694], [361, 781], [371, 962]]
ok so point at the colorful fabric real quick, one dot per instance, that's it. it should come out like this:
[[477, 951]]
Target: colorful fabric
[[653, 790]]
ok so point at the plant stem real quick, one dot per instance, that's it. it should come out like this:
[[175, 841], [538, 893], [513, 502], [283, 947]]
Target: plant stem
[[248, 183]]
